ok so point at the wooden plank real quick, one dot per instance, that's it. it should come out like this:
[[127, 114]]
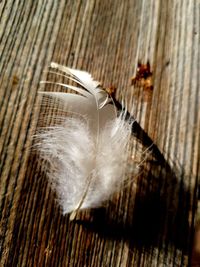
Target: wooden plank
[[150, 223]]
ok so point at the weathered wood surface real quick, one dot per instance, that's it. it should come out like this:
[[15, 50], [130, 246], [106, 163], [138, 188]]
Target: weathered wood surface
[[152, 227]]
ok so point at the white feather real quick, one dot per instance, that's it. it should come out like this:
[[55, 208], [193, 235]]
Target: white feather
[[87, 152]]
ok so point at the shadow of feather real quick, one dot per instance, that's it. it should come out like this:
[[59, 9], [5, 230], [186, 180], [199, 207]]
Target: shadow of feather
[[160, 213]]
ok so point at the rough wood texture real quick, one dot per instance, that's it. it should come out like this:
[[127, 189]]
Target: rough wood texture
[[152, 227]]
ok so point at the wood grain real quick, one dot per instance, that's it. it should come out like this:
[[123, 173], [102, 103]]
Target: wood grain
[[151, 225]]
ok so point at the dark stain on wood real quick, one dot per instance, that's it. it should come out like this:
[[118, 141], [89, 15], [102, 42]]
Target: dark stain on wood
[[15, 80]]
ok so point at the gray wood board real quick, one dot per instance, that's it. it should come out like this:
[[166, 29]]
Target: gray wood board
[[150, 223]]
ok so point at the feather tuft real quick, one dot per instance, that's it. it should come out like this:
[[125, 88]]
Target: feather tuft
[[87, 151]]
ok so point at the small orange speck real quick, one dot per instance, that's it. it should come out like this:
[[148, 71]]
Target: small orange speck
[[111, 90], [143, 76]]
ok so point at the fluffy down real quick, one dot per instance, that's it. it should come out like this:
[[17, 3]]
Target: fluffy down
[[87, 152]]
